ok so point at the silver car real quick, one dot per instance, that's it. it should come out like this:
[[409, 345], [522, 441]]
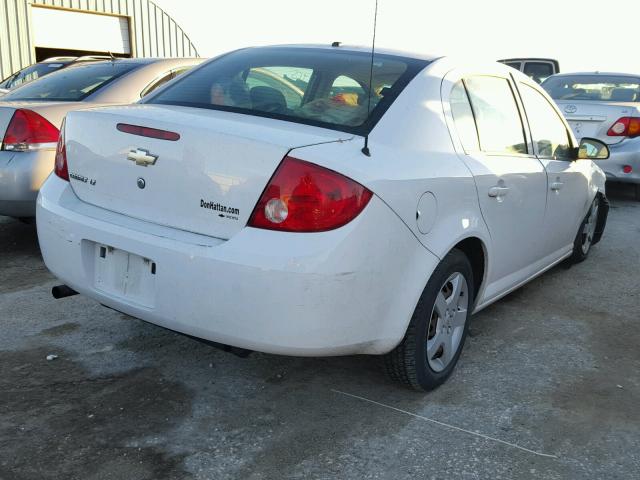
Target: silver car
[[31, 116], [605, 106]]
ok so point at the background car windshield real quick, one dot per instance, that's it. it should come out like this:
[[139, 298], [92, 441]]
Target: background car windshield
[[601, 88], [30, 73], [327, 88], [72, 83]]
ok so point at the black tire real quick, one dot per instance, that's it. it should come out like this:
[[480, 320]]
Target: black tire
[[585, 239], [408, 363]]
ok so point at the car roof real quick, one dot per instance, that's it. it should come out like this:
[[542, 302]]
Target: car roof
[[59, 60], [146, 60], [615, 74], [356, 48], [178, 61], [529, 59]]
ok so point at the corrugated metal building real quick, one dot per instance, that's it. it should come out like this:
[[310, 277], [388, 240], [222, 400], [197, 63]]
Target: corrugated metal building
[[32, 30]]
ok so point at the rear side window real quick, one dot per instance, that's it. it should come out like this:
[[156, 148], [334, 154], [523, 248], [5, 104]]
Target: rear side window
[[549, 133], [291, 82], [538, 71], [344, 85], [165, 79], [497, 117], [157, 84], [463, 118], [72, 83], [327, 88]]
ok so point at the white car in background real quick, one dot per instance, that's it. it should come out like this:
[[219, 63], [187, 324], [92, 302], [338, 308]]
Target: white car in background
[[605, 106], [237, 212], [31, 115]]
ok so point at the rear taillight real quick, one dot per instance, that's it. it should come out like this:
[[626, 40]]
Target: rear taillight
[[625, 127], [61, 168], [304, 197], [29, 131]]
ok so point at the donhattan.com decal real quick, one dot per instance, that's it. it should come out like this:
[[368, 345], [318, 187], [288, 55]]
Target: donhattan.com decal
[[223, 211]]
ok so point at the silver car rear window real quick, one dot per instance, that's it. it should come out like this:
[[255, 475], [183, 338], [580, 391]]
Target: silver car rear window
[[72, 83], [600, 88], [316, 86]]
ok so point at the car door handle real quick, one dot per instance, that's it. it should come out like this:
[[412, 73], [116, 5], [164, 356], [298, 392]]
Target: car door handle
[[497, 192], [555, 186]]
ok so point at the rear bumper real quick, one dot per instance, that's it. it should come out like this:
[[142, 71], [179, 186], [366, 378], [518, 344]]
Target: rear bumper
[[624, 153], [347, 291], [21, 175]]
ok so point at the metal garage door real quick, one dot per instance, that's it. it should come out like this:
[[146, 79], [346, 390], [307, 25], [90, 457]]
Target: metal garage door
[[64, 29]]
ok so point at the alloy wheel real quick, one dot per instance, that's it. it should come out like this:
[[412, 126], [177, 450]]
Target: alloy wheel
[[447, 322]]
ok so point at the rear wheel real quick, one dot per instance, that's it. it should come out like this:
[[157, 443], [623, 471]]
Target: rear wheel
[[438, 328], [586, 233]]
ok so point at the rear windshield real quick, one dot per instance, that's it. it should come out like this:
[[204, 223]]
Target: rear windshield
[[72, 83], [32, 72], [326, 88], [601, 88]]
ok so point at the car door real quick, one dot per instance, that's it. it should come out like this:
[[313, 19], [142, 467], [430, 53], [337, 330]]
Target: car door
[[568, 179], [510, 180]]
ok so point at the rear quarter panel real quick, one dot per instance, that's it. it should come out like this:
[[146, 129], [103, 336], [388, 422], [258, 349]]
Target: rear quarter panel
[[411, 154]]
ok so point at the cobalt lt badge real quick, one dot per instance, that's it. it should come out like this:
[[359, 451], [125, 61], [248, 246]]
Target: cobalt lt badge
[[141, 183]]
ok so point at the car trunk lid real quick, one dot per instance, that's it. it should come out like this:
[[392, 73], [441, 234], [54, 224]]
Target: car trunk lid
[[594, 119], [208, 181]]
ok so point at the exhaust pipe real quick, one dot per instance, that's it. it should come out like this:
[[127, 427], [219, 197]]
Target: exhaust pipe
[[62, 291]]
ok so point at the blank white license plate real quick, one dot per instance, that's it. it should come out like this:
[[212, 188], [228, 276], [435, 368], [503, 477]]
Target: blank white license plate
[[125, 275]]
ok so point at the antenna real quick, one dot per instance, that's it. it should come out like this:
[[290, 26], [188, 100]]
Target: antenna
[[365, 149]]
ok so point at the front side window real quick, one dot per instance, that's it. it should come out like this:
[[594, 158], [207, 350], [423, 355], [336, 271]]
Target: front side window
[[549, 133], [497, 116], [327, 88], [463, 118], [600, 88], [72, 83]]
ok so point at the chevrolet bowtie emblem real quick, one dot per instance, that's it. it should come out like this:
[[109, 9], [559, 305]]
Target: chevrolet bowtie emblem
[[142, 157]]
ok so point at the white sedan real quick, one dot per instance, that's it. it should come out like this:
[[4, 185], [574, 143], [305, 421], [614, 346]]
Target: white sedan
[[233, 210]]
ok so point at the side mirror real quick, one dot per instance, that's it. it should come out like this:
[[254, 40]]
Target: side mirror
[[592, 149]]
